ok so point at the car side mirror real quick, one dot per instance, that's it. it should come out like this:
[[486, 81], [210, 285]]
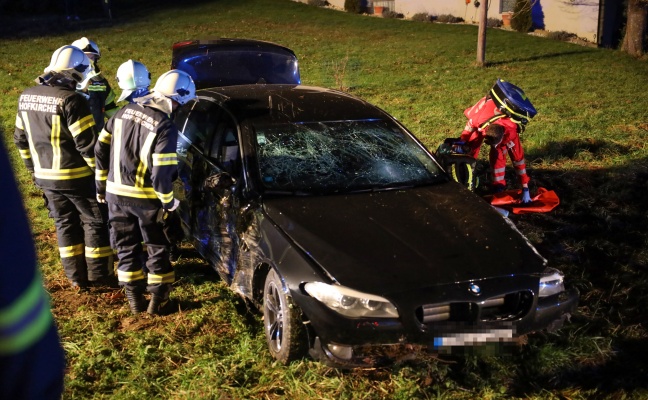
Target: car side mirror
[[219, 181]]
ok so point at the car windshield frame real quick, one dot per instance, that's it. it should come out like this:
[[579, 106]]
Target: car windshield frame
[[332, 157]]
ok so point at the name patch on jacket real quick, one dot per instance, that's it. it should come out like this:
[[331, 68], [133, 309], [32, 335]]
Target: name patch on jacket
[[140, 118], [33, 102]]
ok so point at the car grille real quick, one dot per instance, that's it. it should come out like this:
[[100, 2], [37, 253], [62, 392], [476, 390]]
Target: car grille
[[507, 307]]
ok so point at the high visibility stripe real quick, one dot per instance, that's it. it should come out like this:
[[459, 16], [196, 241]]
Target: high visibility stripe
[[499, 170], [71, 251], [90, 162], [96, 88], [105, 137], [130, 191], [144, 153], [24, 154], [55, 141], [62, 174], [81, 125], [111, 96], [516, 163], [98, 252], [19, 123], [165, 159], [26, 320], [491, 120], [117, 139], [32, 150], [165, 197], [125, 276], [101, 174], [164, 278], [521, 171]]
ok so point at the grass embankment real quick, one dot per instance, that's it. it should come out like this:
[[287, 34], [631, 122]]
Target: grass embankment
[[587, 143]]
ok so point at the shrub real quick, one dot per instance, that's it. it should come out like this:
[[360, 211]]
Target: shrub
[[447, 18], [521, 20], [425, 17], [561, 35], [493, 23], [392, 14], [353, 6], [318, 3]]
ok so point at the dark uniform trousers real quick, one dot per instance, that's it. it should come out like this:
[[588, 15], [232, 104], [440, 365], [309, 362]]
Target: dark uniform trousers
[[82, 233], [131, 227]]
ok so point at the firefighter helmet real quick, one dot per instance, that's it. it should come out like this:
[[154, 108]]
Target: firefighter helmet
[[132, 76], [70, 61], [512, 101], [89, 47], [176, 85]]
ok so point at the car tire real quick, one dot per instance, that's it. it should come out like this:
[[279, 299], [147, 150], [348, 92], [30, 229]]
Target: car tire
[[284, 330]]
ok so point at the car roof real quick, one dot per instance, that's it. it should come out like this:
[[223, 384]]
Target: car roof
[[291, 103], [227, 61]]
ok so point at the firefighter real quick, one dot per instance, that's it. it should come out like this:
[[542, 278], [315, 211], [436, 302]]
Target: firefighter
[[96, 87], [498, 119], [32, 362], [134, 80], [136, 166], [55, 137]]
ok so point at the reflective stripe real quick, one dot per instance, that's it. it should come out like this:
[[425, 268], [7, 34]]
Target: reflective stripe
[[165, 159], [62, 174], [491, 120], [105, 137], [19, 123], [521, 171], [25, 154], [81, 125], [498, 178], [125, 276], [165, 197], [169, 277], [130, 191], [101, 174], [98, 252], [90, 162], [143, 166], [32, 150], [499, 170], [55, 141], [26, 320], [117, 139], [71, 251], [516, 163]]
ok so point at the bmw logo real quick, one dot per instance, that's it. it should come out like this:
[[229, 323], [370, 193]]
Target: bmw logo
[[474, 289]]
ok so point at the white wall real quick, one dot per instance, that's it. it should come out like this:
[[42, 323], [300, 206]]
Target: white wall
[[574, 16]]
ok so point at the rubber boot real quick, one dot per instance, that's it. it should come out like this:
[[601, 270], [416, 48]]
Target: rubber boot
[[159, 305], [136, 301]]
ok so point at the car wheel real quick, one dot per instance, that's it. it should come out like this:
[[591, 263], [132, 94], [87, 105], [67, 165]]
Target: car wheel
[[284, 330]]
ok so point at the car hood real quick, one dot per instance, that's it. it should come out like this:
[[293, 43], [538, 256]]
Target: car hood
[[394, 241]]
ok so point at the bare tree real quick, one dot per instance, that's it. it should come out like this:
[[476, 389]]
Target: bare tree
[[634, 41]]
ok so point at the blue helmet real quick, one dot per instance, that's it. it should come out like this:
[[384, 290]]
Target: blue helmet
[[512, 101]]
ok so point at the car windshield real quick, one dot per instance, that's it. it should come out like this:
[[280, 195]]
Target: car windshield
[[346, 156]]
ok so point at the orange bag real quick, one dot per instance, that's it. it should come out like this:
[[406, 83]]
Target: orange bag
[[544, 201]]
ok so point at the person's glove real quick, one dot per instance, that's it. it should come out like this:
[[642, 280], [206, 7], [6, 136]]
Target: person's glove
[[174, 205], [526, 197], [101, 198]]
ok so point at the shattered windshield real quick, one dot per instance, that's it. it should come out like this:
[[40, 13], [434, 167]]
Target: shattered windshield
[[345, 156]]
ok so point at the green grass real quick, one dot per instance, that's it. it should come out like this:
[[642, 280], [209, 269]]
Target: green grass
[[587, 143]]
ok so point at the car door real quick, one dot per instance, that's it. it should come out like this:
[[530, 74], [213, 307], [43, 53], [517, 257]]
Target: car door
[[209, 167]]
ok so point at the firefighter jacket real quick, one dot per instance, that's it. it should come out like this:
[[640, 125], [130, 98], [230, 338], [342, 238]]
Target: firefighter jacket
[[136, 158], [32, 361], [482, 114], [102, 100], [55, 136]]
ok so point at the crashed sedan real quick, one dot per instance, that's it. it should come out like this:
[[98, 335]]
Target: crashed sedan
[[333, 219]]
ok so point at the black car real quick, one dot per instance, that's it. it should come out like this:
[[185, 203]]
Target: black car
[[328, 214]]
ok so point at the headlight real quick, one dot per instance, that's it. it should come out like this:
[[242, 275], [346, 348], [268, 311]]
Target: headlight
[[351, 303], [551, 282]]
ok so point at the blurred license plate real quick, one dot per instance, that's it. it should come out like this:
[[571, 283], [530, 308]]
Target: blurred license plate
[[475, 338]]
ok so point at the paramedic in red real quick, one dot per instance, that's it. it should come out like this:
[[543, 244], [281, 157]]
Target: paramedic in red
[[55, 137], [497, 122], [136, 167]]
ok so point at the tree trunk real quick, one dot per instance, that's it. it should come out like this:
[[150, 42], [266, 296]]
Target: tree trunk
[[481, 35], [634, 41]]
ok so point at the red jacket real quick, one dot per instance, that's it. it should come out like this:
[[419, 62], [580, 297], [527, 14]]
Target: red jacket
[[482, 114]]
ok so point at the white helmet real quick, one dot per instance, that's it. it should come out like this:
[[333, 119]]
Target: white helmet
[[88, 46], [132, 75], [176, 85], [70, 61]]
